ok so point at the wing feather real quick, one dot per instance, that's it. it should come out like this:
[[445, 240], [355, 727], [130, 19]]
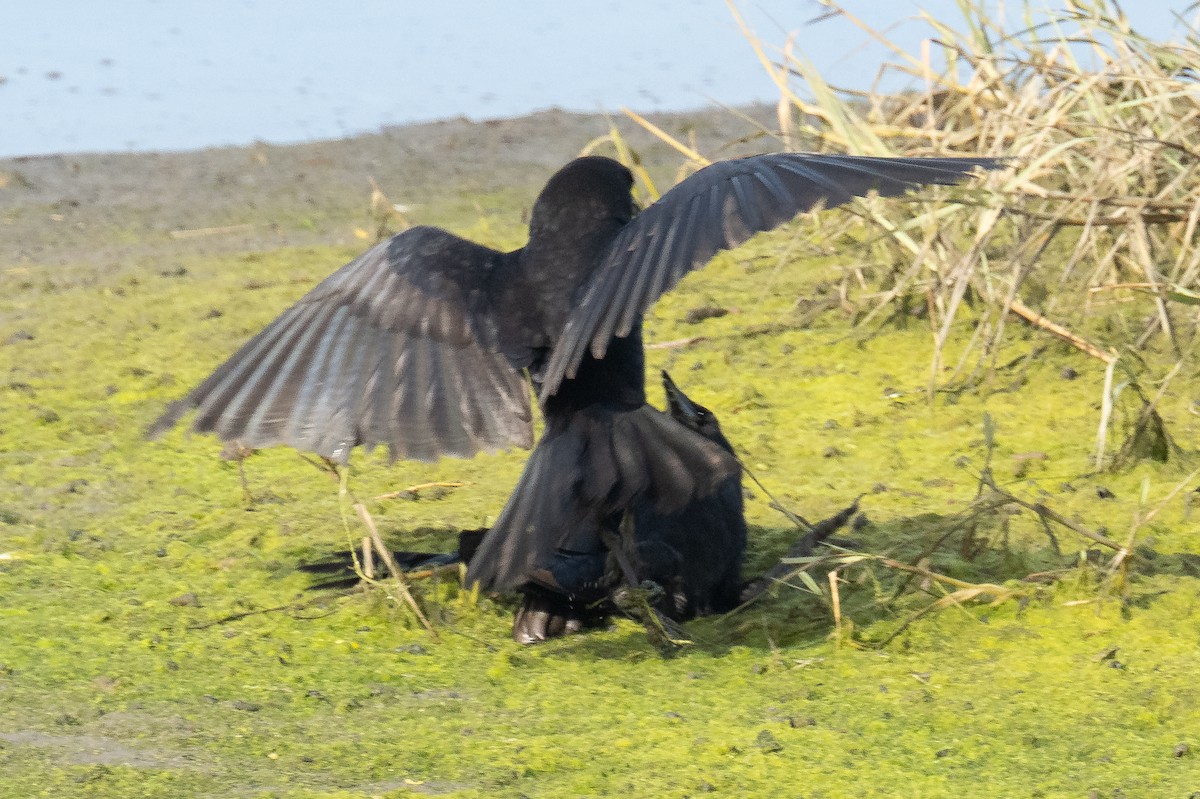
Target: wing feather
[[399, 347], [717, 208]]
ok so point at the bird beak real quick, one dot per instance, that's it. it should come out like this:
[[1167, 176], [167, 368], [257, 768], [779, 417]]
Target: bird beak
[[678, 402]]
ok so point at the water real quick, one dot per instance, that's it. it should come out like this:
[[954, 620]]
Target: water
[[157, 75]]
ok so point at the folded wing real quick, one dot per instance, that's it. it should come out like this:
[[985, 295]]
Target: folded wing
[[715, 209], [398, 347], [586, 470]]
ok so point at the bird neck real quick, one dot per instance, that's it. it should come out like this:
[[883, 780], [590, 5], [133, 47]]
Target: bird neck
[[557, 263], [619, 378]]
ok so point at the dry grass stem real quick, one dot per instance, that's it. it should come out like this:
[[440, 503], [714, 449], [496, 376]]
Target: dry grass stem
[[1106, 408], [368, 557], [414, 489], [836, 599], [201, 232], [341, 475], [393, 568], [1100, 124], [1049, 514], [1037, 320]]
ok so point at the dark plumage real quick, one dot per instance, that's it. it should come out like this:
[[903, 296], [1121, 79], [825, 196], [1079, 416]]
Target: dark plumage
[[550, 544], [420, 343], [694, 554]]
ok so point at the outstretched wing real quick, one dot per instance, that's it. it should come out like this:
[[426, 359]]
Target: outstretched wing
[[715, 209], [399, 346]]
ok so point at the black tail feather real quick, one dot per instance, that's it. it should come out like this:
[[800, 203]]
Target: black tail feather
[[583, 475]]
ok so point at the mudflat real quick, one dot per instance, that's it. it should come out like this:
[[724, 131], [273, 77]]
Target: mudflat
[[116, 209]]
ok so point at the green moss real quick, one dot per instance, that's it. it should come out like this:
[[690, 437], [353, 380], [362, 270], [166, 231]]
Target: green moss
[[108, 688]]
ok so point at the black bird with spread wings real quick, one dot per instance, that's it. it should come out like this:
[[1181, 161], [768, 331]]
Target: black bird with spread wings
[[423, 343], [693, 552]]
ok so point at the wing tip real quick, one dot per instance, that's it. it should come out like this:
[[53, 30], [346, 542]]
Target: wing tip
[[168, 419]]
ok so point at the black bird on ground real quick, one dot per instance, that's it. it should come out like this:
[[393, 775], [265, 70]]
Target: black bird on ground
[[693, 550], [421, 343], [694, 553]]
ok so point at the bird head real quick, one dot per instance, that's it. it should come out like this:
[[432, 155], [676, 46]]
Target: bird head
[[589, 192], [692, 414]]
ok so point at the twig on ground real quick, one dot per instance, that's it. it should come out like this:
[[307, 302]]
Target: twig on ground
[[795, 518], [413, 489], [1047, 513], [836, 598], [1140, 521], [1037, 320], [1106, 408], [341, 475], [803, 549], [195, 233], [294, 606], [956, 598], [769, 328], [385, 555]]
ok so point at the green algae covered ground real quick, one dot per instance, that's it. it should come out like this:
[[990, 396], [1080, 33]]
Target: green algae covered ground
[[156, 639]]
